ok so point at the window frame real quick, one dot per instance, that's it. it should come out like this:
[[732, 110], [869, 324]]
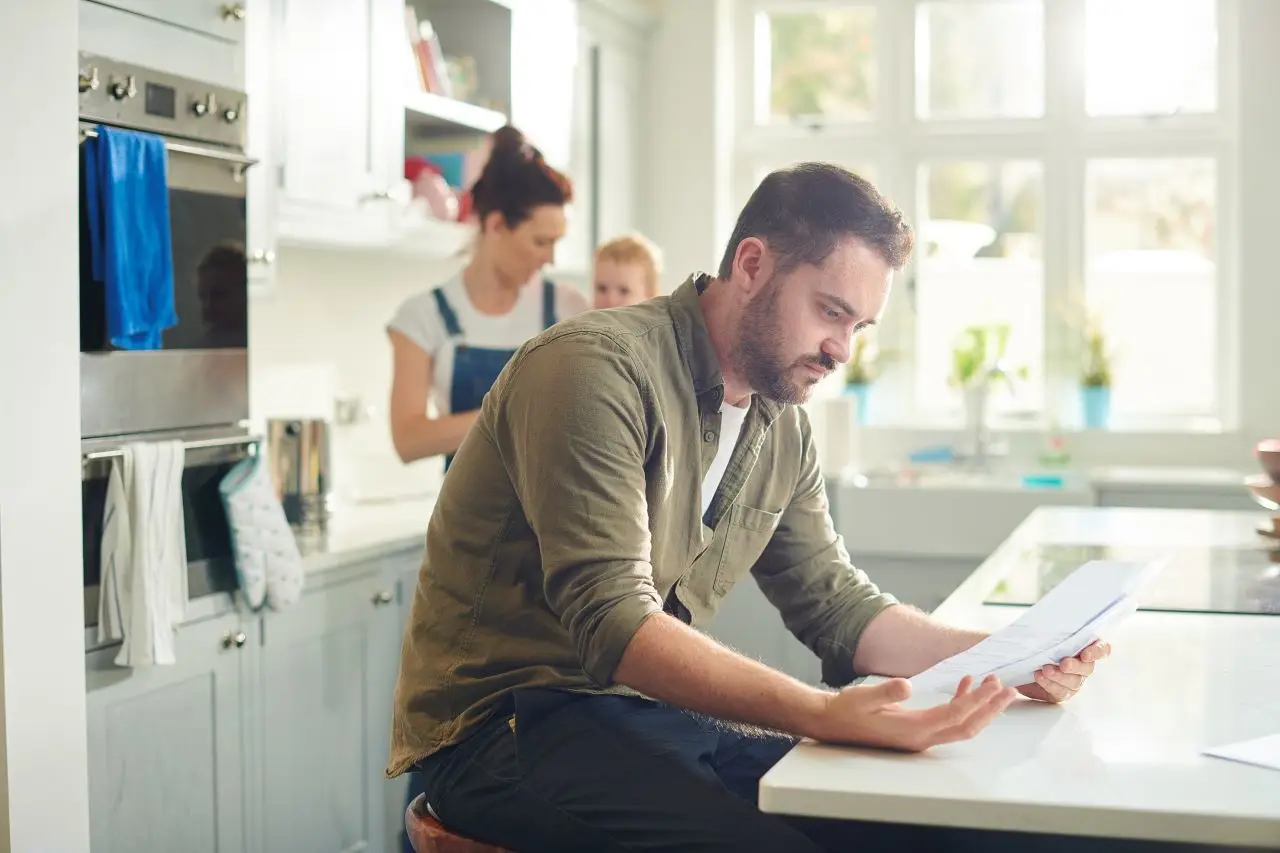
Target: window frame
[[896, 143]]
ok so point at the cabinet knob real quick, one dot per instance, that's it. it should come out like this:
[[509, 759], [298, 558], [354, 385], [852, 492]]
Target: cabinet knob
[[383, 597], [237, 639], [233, 11], [400, 193], [263, 257]]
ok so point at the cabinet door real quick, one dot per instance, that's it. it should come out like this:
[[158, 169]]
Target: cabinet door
[[260, 88], [618, 124], [324, 719], [325, 108], [394, 792], [166, 745]]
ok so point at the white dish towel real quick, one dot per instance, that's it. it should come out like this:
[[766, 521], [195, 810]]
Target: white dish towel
[[143, 593]]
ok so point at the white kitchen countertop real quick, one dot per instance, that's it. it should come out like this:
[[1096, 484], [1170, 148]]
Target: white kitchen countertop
[[366, 531], [1174, 477], [1122, 759]]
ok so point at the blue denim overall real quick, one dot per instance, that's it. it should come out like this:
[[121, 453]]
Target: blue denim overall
[[475, 369]]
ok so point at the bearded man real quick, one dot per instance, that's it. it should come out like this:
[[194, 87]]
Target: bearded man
[[626, 470]]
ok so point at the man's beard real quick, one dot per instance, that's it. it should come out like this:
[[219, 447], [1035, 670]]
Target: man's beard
[[757, 355]]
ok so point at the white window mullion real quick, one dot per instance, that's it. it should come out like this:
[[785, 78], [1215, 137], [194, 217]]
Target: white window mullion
[[1064, 204], [896, 169], [1228, 230]]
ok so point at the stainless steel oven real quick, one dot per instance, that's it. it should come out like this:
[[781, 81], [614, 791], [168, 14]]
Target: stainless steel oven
[[195, 387], [199, 376], [210, 455]]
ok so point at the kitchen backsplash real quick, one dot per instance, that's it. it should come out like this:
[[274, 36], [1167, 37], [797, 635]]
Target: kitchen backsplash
[[317, 334]]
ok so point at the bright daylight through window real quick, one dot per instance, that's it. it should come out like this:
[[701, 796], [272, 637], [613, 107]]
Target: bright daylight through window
[[1066, 165]]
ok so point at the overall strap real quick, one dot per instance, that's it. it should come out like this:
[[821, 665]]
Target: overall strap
[[447, 314], [548, 303]]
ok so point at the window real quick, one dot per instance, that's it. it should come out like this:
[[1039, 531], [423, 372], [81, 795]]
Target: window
[[1152, 280], [1050, 155], [979, 60], [818, 66], [980, 264], [1151, 57]]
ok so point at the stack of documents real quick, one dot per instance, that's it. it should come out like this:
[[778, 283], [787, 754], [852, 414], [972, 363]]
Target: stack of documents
[[1084, 606], [1261, 752]]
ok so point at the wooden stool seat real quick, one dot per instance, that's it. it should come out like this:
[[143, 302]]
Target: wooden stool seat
[[428, 835]]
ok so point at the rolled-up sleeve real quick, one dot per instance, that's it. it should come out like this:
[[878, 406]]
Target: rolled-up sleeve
[[807, 574], [572, 433]]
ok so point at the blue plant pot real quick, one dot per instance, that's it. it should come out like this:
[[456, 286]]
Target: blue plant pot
[[1096, 402], [860, 391]]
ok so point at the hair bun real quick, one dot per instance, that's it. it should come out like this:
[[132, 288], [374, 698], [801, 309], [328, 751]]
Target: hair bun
[[516, 178], [508, 146]]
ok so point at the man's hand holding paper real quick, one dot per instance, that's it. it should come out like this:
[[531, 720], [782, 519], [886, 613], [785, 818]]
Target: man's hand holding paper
[[1059, 682], [1049, 651]]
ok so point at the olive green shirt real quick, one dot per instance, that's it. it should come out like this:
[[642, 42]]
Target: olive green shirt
[[571, 514]]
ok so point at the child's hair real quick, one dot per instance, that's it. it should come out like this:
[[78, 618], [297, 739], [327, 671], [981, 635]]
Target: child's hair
[[636, 249], [516, 179]]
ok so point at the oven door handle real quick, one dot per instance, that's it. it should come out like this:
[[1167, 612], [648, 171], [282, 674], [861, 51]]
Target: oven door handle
[[196, 151]]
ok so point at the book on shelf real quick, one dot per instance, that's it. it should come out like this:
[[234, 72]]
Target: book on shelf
[[427, 54]]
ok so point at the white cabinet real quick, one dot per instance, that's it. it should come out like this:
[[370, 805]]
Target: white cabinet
[[270, 733], [262, 178], [336, 160], [330, 113], [326, 123]]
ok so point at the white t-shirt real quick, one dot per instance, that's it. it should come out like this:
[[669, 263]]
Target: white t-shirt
[[731, 420], [418, 319]]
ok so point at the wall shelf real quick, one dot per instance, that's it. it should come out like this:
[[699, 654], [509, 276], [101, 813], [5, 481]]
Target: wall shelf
[[429, 115]]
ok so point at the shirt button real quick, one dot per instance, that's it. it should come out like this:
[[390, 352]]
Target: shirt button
[[709, 435]]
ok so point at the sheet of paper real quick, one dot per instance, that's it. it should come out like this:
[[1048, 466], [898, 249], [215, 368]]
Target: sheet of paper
[[1263, 751], [1087, 603]]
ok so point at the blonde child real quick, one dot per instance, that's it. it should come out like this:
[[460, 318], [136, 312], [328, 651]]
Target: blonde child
[[626, 272]]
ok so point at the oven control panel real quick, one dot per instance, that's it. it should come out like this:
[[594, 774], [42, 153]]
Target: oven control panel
[[126, 95]]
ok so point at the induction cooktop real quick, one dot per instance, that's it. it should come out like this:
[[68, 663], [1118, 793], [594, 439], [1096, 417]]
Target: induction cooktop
[[1194, 580]]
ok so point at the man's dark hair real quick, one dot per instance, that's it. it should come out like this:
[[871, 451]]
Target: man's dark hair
[[803, 210]]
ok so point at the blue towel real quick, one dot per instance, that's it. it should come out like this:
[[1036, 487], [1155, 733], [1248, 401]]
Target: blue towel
[[127, 194]]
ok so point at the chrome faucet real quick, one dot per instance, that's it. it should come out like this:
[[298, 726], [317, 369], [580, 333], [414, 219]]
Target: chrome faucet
[[981, 448]]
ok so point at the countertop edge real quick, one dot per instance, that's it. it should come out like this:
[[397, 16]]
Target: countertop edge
[[1047, 818]]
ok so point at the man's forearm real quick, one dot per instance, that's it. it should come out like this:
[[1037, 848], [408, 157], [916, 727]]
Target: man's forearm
[[901, 642], [671, 662]]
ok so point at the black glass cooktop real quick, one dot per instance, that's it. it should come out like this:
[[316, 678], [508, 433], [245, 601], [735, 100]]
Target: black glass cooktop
[[1194, 580]]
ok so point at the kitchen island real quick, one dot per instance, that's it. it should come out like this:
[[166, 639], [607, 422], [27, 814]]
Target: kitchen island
[[1123, 760]]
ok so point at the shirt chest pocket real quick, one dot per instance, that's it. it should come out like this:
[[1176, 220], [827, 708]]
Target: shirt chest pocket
[[749, 531]]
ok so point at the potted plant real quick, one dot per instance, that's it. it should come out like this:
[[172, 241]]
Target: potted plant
[[859, 373], [1095, 376], [977, 362]]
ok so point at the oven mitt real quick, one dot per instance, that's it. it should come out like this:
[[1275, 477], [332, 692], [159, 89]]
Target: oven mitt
[[268, 562]]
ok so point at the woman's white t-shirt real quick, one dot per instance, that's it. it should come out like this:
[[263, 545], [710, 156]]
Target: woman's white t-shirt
[[419, 320]]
